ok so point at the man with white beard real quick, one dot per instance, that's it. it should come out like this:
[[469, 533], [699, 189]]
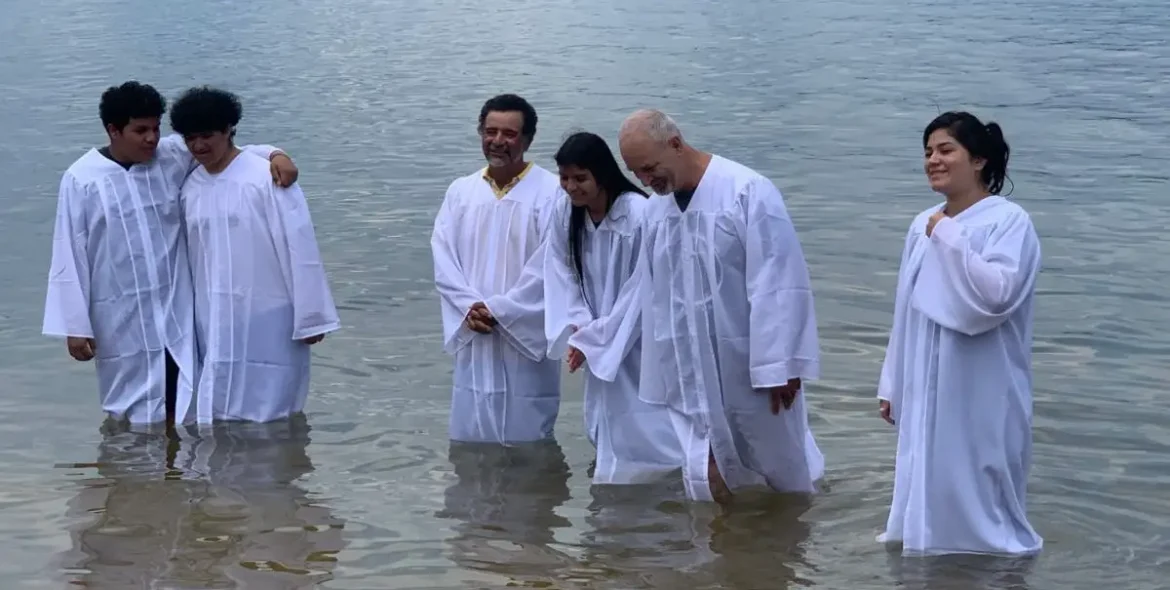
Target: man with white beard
[[728, 325]]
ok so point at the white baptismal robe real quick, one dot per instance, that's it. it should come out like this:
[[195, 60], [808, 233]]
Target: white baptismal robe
[[488, 248], [727, 313], [635, 440], [958, 377], [260, 289], [119, 275]]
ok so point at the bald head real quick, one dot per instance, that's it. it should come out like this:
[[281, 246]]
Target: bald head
[[654, 150], [649, 124]]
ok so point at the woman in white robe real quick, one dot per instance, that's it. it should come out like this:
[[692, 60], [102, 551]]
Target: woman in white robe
[[592, 253], [261, 294], [957, 378]]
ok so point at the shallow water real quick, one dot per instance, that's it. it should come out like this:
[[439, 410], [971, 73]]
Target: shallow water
[[377, 101]]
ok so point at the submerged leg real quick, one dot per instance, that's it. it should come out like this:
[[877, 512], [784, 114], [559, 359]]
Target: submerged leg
[[719, 490], [172, 385]]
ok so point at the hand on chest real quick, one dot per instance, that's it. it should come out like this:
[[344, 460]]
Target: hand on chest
[[933, 259]]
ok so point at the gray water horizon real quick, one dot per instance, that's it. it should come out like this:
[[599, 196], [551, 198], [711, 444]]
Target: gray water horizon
[[376, 101]]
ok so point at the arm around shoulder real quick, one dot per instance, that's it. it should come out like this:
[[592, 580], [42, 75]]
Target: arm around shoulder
[[284, 171]]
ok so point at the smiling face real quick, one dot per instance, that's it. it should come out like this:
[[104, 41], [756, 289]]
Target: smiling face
[[949, 167], [581, 186], [503, 141], [656, 164], [137, 140], [209, 147]]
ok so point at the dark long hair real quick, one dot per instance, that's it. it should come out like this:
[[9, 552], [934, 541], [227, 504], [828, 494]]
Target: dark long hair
[[590, 152], [981, 141]]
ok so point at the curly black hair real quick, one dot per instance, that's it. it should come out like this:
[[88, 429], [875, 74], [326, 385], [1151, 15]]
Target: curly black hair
[[131, 100], [204, 109]]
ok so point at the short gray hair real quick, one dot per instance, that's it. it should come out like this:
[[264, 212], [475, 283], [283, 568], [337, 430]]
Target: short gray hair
[[655, 124]]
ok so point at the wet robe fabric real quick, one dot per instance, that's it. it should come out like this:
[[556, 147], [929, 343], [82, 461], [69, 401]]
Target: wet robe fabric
[[260, 290], [635, 441], [727, 312], [488, 248], [119, 274], [958, 377]]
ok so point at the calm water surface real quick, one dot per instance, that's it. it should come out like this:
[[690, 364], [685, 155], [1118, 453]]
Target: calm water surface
[[376, 100]]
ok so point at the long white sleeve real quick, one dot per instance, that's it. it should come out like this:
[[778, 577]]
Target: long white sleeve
[[456, 295], [971, 291], [887, 382], [783, 340], [564, 304], [520, 311], [67, 299], [608, 339], [296, 242], [173, 147]]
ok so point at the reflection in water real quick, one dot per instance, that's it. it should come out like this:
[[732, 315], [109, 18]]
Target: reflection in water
[[505, 501], [651, 537], [217, 509], [961, 572]]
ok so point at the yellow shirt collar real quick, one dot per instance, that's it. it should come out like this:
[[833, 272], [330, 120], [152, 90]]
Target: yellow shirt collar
[[500, 191]]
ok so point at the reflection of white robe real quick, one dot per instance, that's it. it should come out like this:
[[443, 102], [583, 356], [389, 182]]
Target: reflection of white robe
[[635, 440], [260, 289], [488, 249], [958, 377], [727, 312], [119, 275], [224, 511], [503, 507]]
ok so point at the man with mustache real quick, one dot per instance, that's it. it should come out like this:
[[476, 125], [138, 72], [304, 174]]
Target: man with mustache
[[488, 256], [119, 282], [728, 326]]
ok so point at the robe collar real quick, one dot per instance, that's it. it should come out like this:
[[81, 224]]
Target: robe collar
[[985, 204], [619, 211], [500, 191]]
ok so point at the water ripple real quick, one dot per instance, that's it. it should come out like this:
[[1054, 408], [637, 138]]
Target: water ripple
[[377, 104]]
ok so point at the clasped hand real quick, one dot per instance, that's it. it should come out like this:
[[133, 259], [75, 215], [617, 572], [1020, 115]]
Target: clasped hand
[[479, 319]]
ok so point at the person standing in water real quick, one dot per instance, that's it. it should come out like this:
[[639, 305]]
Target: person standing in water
[[487, 249], [957, 377], [729, 332], [592, 253], [119, 287], [261, 294]]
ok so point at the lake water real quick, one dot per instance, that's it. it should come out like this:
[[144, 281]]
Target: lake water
[[377, 101]]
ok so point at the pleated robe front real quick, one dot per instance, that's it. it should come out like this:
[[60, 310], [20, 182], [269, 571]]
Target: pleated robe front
[[119, 274], [260, 290], [488, 248], [727, 313]]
